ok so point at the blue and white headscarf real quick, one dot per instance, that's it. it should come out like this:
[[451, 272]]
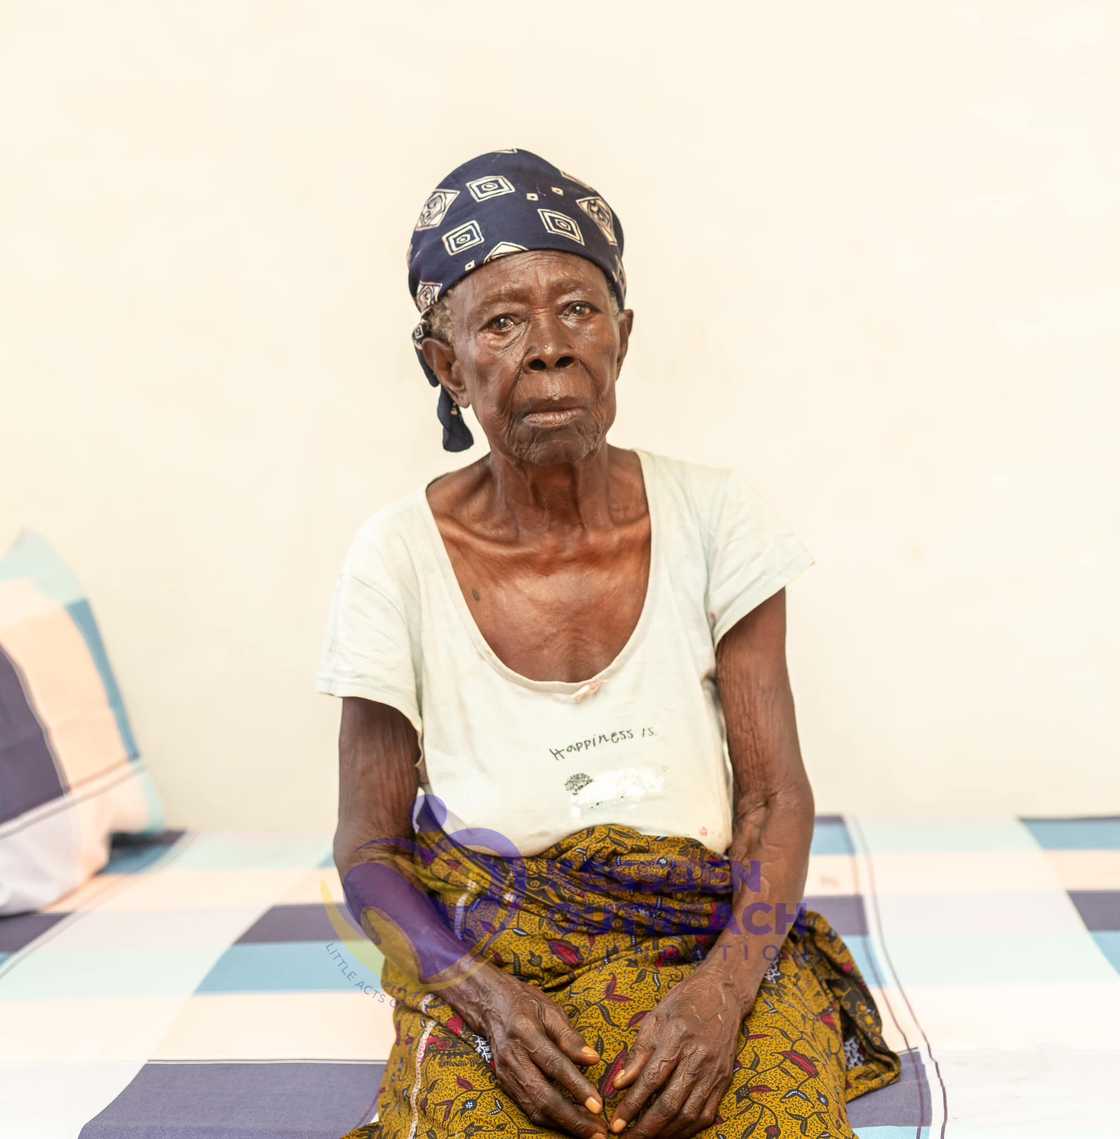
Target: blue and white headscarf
[[502, 202]]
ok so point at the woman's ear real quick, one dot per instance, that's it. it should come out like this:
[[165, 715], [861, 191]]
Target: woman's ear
[[625, 324], [439, 356]]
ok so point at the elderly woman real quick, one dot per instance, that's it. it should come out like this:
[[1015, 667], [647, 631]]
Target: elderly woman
[[573, 809]]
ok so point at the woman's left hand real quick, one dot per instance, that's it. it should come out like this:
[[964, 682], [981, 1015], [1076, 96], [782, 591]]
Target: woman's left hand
[[684, 1054]]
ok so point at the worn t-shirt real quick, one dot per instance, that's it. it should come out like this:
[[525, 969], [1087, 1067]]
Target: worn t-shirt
[[643, 742]]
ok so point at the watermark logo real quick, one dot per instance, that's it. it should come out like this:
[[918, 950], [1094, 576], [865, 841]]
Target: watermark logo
[[342, 962], [384, 898]]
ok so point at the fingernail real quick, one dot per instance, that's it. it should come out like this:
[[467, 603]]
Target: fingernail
[[589, 1051], [593, 1105], [598, 1135], [618, 1124]]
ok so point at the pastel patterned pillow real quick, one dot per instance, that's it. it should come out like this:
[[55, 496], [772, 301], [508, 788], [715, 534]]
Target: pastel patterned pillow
[[70, 772]]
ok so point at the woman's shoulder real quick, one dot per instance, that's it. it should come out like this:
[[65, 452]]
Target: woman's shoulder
[[709, 486], [722, 503], [688, 473], [386, 544], [691, 488], [391, 518]]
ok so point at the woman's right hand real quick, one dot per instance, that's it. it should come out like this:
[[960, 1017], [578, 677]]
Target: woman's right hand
[[536, 1053]]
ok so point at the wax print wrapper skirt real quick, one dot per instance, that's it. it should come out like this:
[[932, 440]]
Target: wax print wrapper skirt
[[605, 922]]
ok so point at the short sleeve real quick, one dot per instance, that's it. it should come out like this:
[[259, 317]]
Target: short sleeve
[[366, 649], [752, 552]]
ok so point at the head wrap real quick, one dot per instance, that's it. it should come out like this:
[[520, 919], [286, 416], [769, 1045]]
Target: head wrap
[[502, 202]]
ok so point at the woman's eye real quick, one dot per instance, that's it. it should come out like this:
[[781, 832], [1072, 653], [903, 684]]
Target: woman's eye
[[498, 326], [580, 305]]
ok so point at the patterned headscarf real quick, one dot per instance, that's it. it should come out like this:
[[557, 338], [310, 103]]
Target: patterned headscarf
[[502, 202]]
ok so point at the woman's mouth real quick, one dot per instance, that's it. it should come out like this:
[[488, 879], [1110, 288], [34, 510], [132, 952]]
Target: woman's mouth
[[552, 418]]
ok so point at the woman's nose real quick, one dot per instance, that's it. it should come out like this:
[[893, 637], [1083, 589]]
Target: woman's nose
[[549, 346], [541, 362]]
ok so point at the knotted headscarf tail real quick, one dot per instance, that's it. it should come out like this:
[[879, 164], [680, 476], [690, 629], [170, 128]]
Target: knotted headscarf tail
[[502, 202]]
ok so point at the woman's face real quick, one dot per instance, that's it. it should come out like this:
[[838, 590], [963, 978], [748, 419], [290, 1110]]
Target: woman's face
[[531, 331]]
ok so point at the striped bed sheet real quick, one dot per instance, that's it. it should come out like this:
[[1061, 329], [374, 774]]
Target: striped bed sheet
[[210, 984]]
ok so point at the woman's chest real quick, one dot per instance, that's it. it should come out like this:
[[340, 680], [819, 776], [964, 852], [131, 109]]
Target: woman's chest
[[645, 745], [565, 617]]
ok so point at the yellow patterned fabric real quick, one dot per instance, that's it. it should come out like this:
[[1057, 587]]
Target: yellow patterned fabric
[[605, 922]]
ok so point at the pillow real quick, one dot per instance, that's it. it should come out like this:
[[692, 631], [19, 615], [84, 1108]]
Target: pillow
[[70, 772]]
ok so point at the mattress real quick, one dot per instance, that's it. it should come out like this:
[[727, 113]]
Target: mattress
[[210, 984]]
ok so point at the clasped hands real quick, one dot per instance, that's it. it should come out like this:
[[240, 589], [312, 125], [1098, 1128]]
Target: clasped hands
[[676, 1073]]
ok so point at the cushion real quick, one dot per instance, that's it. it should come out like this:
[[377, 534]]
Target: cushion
[[70, 771]]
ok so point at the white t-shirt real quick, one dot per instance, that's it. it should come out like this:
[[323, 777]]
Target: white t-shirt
[[643, 742]]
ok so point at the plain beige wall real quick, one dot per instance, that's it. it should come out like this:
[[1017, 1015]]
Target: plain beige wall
[[872, 251]]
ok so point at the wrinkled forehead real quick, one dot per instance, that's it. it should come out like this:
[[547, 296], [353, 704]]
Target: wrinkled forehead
[[529, 275]]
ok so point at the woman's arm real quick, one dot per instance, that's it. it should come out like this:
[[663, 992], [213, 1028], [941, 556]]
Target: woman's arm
[[685, 1050], [535, 1047], [774, 809]]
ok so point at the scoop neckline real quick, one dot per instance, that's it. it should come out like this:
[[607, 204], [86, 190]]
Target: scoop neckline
[[470, 625]]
